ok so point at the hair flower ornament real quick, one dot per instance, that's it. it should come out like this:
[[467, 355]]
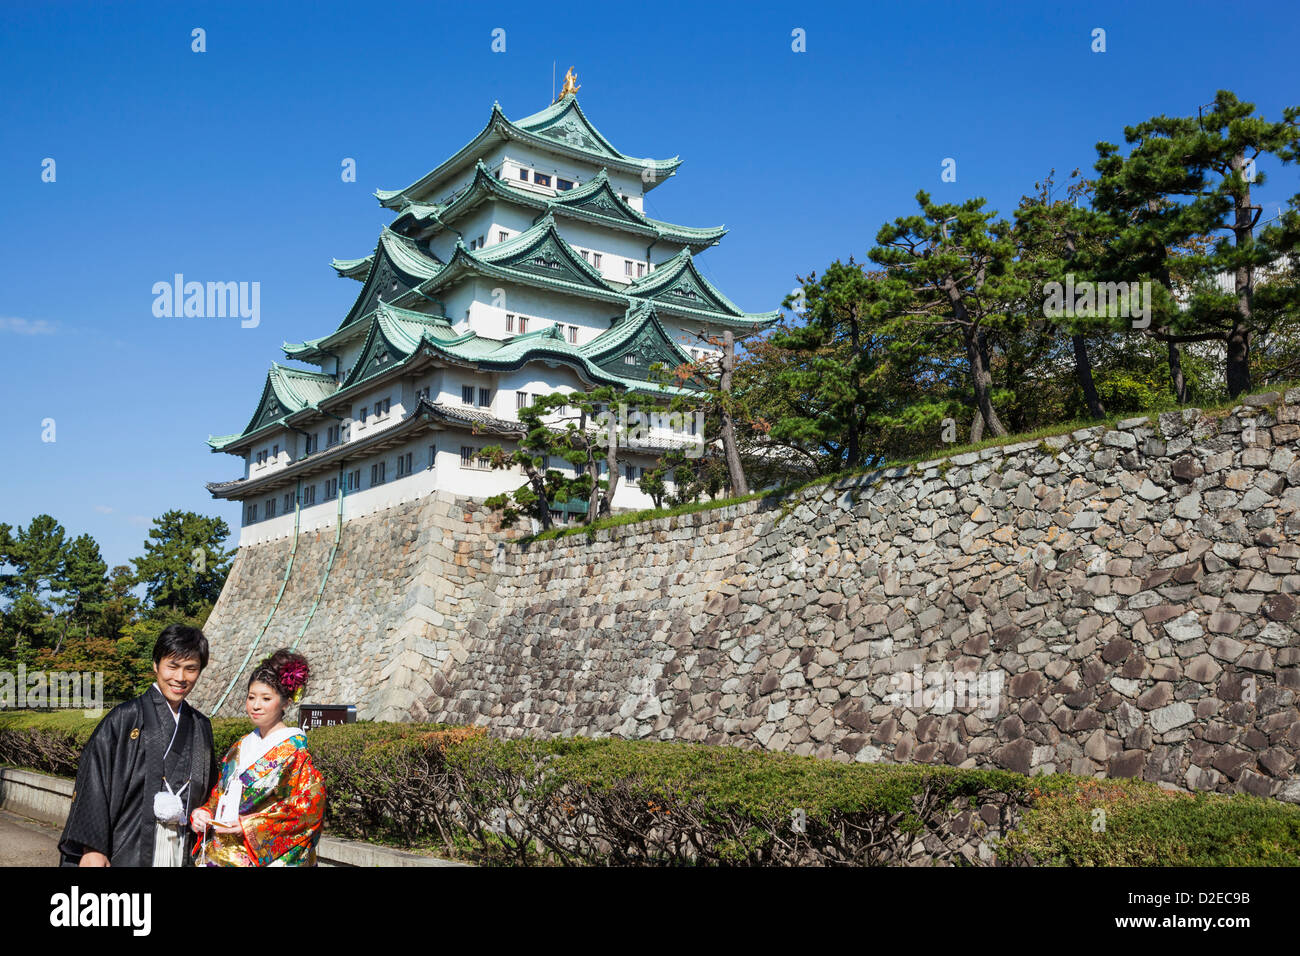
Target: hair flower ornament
[[293, 678]]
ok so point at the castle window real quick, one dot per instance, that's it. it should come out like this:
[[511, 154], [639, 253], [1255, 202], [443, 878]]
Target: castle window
[[361, 414], [502, 236], [521, 400], [331, 488], [563, 185], [404, 465], [573, 334], [252, 513], [332, 435], [510, 322], [309, 495], [433, 455], [484, 397], [377, 474], [288, 502], [523, 324], [523, 174], [627, 267], [467, 394], [270, 507], [466, 456], [586, 255], [275, 452], [541, 179], [354, 480], [595, 259], [640, 269], [629, 359]]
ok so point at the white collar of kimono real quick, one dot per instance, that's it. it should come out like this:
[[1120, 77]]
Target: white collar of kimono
[[176, 714], [254, 746]]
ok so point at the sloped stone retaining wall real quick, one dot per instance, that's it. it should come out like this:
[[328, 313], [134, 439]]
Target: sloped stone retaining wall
[[1115, 601]]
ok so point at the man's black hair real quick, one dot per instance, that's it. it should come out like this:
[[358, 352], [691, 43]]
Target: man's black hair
[[182, 642]]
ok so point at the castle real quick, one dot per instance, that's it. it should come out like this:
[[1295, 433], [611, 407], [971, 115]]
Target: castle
[[521, 266]]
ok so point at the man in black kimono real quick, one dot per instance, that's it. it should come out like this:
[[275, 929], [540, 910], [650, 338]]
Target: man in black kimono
[[154, 744]]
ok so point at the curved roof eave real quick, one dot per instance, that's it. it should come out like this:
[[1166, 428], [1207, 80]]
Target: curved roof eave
[[499, 125]]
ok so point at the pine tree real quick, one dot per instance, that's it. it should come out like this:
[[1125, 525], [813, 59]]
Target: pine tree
[[184, 564], [951, 275], [1190, 178]]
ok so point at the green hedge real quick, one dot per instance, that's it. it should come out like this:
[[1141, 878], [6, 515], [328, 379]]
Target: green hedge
[[53, 741], [581, 801]]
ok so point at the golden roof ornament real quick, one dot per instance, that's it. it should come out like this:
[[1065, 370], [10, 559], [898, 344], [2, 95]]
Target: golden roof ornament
[[571, 86]]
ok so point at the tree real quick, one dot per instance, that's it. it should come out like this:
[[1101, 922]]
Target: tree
[[36, 554], [710, 395], [1053, 238], [120, 605], [950, 272], [828, 367], [184, 565], [84, 586], [1190, 178], [577, 427]]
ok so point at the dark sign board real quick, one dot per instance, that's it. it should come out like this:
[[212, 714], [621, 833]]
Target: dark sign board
[[326, 715]]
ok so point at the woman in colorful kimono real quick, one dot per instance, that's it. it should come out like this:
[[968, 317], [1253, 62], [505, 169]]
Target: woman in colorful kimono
[[268, 808]]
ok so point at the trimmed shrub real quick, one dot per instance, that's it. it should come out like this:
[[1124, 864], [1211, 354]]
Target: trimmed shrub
[[606, 801]]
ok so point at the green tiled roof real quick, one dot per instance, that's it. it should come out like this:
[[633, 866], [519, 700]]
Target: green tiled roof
[[395, 336], [594, 201], [539, 256], [560, 128], [398, 265], [286, 392], [678, 286], [353, 268], [599, 361], [314, 350]]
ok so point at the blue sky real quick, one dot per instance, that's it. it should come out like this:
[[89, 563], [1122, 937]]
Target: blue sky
[[224, 166]]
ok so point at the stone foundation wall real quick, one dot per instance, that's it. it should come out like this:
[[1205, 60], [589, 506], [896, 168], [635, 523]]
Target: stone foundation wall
[[1116, 602], [408, 586]]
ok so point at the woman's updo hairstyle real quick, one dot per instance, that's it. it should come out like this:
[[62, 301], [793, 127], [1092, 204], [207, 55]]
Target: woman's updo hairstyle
[[286, 672]]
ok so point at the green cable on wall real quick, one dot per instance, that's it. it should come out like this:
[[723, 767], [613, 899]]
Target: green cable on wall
[[297, 517], [338, 534]]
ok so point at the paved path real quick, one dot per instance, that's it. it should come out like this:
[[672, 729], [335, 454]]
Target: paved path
[[27, 842]]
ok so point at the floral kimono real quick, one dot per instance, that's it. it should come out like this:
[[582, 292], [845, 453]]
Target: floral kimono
[[281, 803]]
